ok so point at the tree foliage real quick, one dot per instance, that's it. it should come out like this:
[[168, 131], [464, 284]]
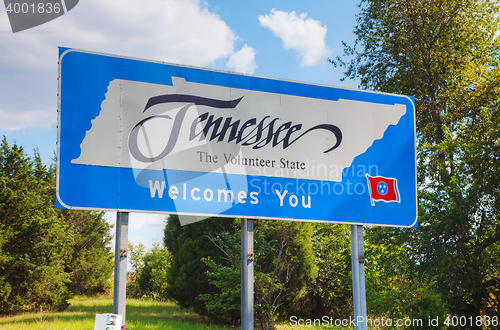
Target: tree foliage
[[394, 288], [45, 254], [153, 276], [283, 269], [148, 278], [136, 256], [204, 270], [224, 303], [186, 273], [298, 249], [91, 262], [446, 54], [331, 291]]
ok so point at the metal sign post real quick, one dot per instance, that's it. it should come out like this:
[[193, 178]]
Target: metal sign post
[[247, 259], [358, 277], [120, 286]]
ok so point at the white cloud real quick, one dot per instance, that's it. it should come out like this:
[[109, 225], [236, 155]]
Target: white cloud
[[15, 121], [243, 60], [178, 31], [147, 221], [145, 228], [298, 32]]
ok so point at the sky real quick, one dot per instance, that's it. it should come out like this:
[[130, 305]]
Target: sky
[[285, 39]]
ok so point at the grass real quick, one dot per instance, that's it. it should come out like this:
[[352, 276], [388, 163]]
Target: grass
[[140, 315]]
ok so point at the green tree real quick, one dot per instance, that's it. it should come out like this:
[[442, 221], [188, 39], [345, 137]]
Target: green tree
[[149, 275], [446, 54], [91, 264], [153, 277], [294, 240], [186, 273], [331, 291], [45, 254], [394, 288], [224, 304], [283, 269], [137, 254], [34, 241]]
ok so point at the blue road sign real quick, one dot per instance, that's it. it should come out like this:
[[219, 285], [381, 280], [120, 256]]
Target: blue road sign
[[145, 136]]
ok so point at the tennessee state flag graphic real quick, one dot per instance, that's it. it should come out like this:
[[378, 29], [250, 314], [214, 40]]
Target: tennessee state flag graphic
[[383, 189]]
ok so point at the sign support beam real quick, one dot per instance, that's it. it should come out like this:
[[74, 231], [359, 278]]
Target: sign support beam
[[358, 277], [120, 283], [247, 259]]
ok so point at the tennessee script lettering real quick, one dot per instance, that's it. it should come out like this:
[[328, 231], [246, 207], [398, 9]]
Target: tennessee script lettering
[[253, 132]]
